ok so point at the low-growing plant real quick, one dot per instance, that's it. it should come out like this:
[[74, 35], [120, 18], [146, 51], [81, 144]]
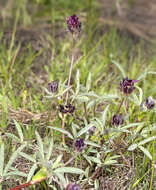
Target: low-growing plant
[[98, 132]]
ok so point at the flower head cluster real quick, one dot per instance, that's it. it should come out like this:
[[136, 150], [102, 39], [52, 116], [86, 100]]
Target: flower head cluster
[[79, 145], [91, 130], [117, 120], [73, 24], [53, 86], [73, 186], [67, 109], [127, 86], [150, 103]]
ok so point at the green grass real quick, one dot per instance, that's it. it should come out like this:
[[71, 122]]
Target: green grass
[[105, 53]]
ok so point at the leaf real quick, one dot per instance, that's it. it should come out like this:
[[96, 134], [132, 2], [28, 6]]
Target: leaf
[[28, 157], [104, 114], [120, 68], [16, 173], [84, 130], [50, 149], [140, 94], [58, 160], [13, 157], [12, 136], [31, 172], [146, 152], [132, 125], [147, 140], [74, 131], [19, 130], [40, 144], [92, 144], [69, 170], [96, 160], [40, 175], [77, 81], [82, 98], [88, 83], [62, 131], [132, 147], [1, 159]]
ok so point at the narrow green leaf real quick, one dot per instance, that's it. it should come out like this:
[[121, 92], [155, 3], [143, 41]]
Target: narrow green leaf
[[57, 162], [13, 157], [77, 81], [120, 68], [16, 173], [84, 130], [104, 115], [13, 137], [1, 159], [89, 80], [132, 147], [146, 152], [31, 172], [147, 140], [96, 160], [82, 98], [50, 149], [19, 130], [40, 144], [69, 170], [92, 144], [62, 131], [28, 157]]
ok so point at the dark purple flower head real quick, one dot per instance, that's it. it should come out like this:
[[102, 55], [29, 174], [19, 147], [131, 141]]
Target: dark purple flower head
[[67, 109], [150, 103], [73, 24], [53, 86], [127, 86], [117, 120], [91, 130], [70, 108], [79, 145], [73, 187]]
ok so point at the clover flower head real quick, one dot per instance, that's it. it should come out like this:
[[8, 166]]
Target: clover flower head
[[73, 187], [79, 145], [53, 86], [67, 109], [150, 103], [127, 85], [117, 120], [73, 24], [91, 130]]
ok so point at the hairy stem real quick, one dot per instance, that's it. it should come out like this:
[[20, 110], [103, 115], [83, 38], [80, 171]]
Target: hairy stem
[[71, 67]]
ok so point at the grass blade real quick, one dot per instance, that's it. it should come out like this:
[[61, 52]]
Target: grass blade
[[1, 159]]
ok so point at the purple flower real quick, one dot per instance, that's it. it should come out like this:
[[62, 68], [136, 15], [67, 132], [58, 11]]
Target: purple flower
[[150, 103], [79, 145], [127, 86], [73, 24], [91, 130], [53, 86], [73, 187], [117, 120], [67, 109]]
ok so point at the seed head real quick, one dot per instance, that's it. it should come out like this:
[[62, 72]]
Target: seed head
[[79, 145], [53, 86], [150, 103], [73, 24], [117, 120], [127, 86]]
